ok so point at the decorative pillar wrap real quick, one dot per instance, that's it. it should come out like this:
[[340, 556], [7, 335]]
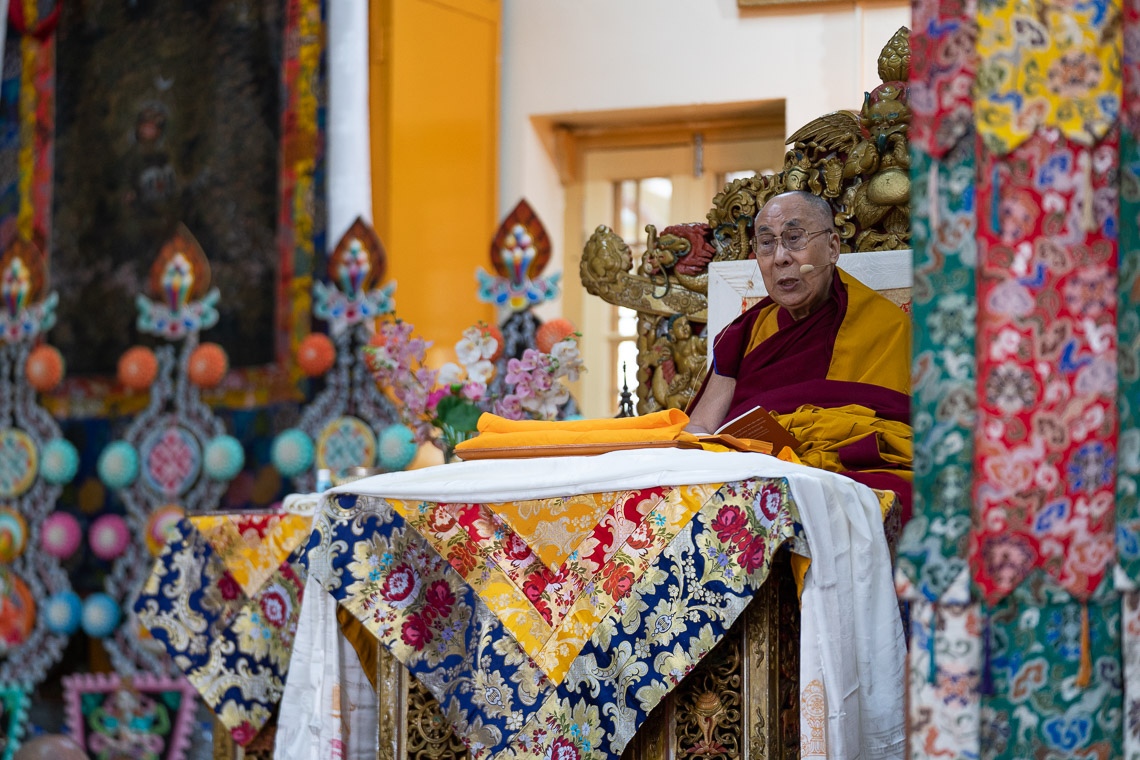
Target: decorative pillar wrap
[[1056, 332], [943, 403], [1046, 65], [932, 553], [1128, 396], [1128, 326]]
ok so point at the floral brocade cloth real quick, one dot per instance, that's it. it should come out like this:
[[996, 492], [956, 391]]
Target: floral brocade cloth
[[943, 383], [252, 547], [1047, 65], [943, 63], [1045, 441], [1128, 326], [529, 660], [225, 618]]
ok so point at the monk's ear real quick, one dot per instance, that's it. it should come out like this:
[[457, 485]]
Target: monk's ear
[[833, 247]]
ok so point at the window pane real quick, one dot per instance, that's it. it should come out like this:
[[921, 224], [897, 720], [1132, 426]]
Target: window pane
[[627, 217], [733, 176], [627, 356], [626, 322], [656, 201]]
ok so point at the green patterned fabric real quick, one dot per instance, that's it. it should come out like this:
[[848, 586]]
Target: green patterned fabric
[[1036, 707], [1128, 361], [933, 548]]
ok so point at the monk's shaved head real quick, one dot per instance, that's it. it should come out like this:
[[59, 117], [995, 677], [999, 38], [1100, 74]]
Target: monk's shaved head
[[820, 208]]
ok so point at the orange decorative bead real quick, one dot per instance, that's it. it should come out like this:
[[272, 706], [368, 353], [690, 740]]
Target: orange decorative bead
[[44, 368], [316, 355], [553, 332], [208, 365], [138, 366]]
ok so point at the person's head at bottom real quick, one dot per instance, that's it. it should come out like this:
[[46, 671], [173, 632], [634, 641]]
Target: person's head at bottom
[[797, 247]]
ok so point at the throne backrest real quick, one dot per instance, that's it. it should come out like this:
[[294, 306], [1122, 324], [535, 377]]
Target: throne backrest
[[734, 286]]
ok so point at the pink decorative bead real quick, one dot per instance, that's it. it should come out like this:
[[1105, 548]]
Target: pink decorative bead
[[108, 537], [60, 535]]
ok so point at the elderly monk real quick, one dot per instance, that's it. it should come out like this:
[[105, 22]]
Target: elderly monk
[[823, 352]]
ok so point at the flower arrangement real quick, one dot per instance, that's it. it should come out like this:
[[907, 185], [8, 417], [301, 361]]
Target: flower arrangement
[[443, 405]]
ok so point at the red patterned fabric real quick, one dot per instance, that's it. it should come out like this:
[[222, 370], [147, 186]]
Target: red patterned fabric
[[1046, 351], [943, 63]]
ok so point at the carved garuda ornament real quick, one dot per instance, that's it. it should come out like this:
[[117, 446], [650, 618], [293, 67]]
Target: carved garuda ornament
[[856, 160]]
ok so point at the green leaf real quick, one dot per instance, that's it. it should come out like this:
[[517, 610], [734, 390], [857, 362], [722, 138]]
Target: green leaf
[[458, 413]]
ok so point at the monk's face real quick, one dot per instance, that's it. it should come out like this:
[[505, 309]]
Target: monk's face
[[799, 293]]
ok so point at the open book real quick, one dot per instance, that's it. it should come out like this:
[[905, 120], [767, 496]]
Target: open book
[[758, 424]]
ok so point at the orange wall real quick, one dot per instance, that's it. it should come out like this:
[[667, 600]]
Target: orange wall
[[434, 95]]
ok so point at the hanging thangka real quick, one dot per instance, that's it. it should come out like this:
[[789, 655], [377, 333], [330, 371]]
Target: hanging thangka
[[1047, 364], [1045, 440], [223, 135]]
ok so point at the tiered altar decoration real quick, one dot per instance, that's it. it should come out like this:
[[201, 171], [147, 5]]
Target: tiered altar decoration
[[38, 609], [175, 457], [349, 423]]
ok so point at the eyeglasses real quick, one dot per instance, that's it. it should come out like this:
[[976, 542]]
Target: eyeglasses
[[793, 238]]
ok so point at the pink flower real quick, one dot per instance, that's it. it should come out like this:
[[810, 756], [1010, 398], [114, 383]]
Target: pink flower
[[434, 397], [619, 581], [474, 391], [752, 557], [515, 548], [533, 590], [400, 586], [562, 749], [415, 632], [244, 733], [440, 598], [729, 522], [275, 606], [509, 407]]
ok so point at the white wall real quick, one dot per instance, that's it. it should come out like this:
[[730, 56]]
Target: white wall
[[562, 56]]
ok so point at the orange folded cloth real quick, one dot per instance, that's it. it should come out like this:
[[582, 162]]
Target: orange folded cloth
[[499, 432]]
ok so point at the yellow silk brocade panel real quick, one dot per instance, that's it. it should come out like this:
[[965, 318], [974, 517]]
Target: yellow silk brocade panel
[[252, 548], [553, 648], [1047, 65]]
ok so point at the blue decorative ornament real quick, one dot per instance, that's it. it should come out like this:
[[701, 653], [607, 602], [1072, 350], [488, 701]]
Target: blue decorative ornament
[[397, 447], [101, 616], [60, 462], [224, 458], [118, 465], [293, 452], [63, 612]]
